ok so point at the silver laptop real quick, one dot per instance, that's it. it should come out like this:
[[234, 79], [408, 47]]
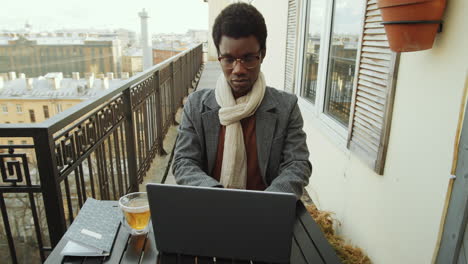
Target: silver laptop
[[222, 223]]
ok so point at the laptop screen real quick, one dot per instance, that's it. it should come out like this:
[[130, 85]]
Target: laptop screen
[[223, 223]]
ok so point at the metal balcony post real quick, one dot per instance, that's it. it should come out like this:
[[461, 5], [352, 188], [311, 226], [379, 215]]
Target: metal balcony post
[[159, 119], [130, 141], [174, 95], [44, 146]]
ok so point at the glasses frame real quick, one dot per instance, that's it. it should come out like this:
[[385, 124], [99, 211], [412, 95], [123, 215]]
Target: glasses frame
[[240, 60]]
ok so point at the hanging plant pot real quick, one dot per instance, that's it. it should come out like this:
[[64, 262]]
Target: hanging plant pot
[[411, 25]]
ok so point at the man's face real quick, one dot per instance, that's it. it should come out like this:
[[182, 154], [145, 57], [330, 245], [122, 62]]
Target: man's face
[[240, 78]]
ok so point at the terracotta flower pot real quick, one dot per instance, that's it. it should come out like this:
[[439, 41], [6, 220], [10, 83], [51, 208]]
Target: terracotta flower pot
[[411, 25]]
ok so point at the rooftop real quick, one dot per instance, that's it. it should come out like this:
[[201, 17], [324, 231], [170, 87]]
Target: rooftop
[[53, 85], [56, 38]]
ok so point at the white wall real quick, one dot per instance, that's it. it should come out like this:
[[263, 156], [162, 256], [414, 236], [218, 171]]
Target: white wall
[[214, 8], [276, 16], [395, 218]]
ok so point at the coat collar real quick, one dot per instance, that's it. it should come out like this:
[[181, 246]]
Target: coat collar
[[210, 101]]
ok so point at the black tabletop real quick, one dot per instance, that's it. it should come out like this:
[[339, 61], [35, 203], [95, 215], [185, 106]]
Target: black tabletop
[[308, 246]]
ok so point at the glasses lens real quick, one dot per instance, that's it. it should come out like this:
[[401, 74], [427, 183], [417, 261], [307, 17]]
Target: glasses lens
[[250, 61], [227, 63]]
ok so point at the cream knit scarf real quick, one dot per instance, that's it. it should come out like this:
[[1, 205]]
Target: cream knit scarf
[[234, 166]]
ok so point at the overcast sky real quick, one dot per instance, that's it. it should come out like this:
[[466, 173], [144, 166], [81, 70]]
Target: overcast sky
[[166, 16]]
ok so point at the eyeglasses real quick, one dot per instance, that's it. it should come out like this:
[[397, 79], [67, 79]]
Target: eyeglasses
[[249, 61]]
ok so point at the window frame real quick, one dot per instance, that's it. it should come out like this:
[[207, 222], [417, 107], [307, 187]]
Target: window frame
[[58, 108], [32, 116], [46, 112], [19, 107], [4, 108], [337, 132]]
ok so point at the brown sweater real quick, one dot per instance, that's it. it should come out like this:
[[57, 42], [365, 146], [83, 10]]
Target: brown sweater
[[254, 178]]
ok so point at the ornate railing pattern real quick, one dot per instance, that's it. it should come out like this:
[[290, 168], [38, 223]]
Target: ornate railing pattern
[[100, 148]]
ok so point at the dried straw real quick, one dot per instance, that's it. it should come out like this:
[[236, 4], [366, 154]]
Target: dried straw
[[348, 253]]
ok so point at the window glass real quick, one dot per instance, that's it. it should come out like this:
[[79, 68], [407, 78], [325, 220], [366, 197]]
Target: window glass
[[312, 48], [32, 116], [46, 111], [4, 108], [19, 108], [346, 27]]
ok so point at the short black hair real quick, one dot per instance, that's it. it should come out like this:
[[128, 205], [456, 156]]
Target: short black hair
[[240, 20]]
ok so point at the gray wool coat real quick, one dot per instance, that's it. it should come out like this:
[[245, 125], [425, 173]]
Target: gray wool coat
[[281, 143]]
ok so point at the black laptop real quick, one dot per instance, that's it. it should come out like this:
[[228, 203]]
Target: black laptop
[[222, 223]]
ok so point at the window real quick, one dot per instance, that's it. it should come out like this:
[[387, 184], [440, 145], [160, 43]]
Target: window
[[331, 42], [11, 142], [5, 108], [32, 116], [58, 108], [24, 142], [347, 74], [312, 49], [19, 108], [46, 111]]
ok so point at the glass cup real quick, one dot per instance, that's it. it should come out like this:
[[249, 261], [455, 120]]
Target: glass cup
[[136, 213]]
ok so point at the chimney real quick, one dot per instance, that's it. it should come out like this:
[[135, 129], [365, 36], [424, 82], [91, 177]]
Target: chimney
[[110, 75], [12, 76], [4, 75], [124, 75], [22, 76], [75, 75], [55, 83], [89, 79], [54, 79], [105, 83], [29, 83], [145, 41]]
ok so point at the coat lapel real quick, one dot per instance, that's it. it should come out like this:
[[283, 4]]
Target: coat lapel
[[266, 118], [211, 127], [265, 129]]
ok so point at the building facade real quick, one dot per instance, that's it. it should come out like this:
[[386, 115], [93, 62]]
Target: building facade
[[36, 54], [132, 60], [161, 54]]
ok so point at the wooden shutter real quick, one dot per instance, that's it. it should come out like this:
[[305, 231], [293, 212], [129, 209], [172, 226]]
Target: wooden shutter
[[372, 107], [291, 36]]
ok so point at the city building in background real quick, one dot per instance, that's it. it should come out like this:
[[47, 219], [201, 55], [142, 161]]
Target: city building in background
[[163, 52], [37, 53], [33, 100], [127, 37], [167, 45], [132, 60], [198, 36]]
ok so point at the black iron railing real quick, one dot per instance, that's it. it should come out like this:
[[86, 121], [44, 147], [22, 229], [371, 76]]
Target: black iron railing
[[100, 148]]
